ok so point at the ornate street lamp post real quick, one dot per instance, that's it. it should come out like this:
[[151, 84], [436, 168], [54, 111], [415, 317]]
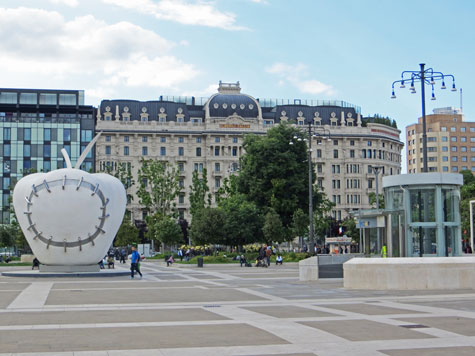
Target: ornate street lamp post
[[424, 76], [315, 131]]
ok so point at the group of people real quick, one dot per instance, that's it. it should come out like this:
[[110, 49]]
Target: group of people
[[263, 257]]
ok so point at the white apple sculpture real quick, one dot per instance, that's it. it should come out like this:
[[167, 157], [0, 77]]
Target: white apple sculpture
[[68, 216]]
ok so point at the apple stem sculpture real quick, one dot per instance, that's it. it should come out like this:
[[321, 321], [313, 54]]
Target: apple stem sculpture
[[68, 216]]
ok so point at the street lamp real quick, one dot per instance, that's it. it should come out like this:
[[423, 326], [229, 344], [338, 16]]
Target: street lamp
[[471, 224], [424, 76], [316, 131], [377, 170]]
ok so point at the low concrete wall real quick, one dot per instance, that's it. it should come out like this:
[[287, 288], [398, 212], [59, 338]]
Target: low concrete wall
[[27, 258], [308, 269], [410, 273]]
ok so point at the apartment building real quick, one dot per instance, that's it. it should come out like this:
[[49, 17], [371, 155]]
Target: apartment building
[[450, 142]]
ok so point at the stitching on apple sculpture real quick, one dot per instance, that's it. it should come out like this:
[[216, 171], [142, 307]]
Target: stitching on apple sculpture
[[61, 184]]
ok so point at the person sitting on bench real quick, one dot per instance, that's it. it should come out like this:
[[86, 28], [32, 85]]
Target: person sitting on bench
[[278, 260], [36, 263]]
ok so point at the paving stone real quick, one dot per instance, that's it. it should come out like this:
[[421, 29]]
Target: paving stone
[[365, 330], [289, 311], [166, 295], [122, 285], [107, 316], [443, 351], [458, 325], [6, 297], [98, 339], [370, 309]]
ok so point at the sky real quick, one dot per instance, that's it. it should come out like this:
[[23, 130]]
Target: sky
[[301, 49]]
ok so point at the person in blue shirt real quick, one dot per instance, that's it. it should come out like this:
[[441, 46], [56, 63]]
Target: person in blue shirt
[[135, 263]]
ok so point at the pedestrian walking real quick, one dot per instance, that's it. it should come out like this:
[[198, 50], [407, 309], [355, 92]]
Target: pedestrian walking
[[135, 263], [122, 255]]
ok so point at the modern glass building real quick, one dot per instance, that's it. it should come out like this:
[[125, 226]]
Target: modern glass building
[[34, 125]]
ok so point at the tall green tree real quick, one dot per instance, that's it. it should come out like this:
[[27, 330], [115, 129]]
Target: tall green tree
[[274, 174], [166, 230], [273, 230], [199, 192], [299, 224], [208, 226], [159, 187], [243, 221], [128, 234]]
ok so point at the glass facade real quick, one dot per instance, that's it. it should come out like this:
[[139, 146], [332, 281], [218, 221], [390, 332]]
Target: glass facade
[[31, 138]]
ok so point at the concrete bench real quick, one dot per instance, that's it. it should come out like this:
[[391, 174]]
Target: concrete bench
[[410, 273]]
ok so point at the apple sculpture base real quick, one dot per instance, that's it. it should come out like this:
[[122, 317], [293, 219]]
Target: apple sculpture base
[[68, 216]]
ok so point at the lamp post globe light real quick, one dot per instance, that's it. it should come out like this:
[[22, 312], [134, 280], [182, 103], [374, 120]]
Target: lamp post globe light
[[424, 76], [312, 131]]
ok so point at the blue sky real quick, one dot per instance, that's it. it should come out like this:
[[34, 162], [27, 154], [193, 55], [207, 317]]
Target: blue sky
[[307, 49]]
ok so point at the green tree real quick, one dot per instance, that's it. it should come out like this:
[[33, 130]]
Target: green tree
[[273, 230], [159, 187], [350, 229], [299, 224], [372, 200], [243, 221], [207, 226], [274, 174], [166, 230], [128, 233], [199, 192]]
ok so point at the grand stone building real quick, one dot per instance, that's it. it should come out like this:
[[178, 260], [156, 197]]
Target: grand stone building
[[208, 133]]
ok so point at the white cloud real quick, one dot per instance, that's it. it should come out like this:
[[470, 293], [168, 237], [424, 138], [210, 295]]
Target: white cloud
[[294, 74], [199, 13], [72, 3], [42, 43]]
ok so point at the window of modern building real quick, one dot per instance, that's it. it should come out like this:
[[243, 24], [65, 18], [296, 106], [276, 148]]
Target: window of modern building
[[181, 151], [216, 151], [444, 138], [472, 139], [163, 151], [473, 169], [455, 169], [463, 129], [432, 139], [463, 139], [335, 153], [46, 166], [48, 99], [198, 140], [67, 99], [453, 138], [445, 169], [454, 158], [7, 133], [67, 135], [145, 151], [108, 150], [464, 158], [453, 129], [445, 158], [217, 167], [126, 138], [472, 129], [26, 150], [144, 139], [432, 149], [453, 148], [463, 149], [27, 134], [443, 128], [126, 150]]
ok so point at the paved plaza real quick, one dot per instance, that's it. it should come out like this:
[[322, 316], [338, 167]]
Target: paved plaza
[[227, 310]]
